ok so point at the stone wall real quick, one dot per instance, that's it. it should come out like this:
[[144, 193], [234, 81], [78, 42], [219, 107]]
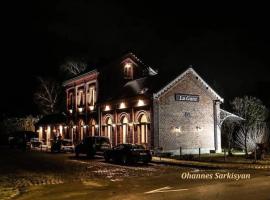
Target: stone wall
[[185, 124]]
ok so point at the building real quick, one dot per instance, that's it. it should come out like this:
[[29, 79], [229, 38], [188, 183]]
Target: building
[[129, 102]]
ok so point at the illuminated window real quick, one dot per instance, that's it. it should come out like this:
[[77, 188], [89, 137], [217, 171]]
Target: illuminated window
[[81, 98], [128, 71], [91, 97]]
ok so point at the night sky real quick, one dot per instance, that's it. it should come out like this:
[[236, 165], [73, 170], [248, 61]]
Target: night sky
[[229, 47]]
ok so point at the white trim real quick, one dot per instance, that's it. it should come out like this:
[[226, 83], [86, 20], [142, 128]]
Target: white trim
[[78, 77], [177, 79]]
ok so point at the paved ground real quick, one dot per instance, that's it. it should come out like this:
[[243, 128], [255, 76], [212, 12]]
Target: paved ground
[[37, 175]]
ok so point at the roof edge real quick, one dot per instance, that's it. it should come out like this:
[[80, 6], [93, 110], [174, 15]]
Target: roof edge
[[65, 83], [174, 81]]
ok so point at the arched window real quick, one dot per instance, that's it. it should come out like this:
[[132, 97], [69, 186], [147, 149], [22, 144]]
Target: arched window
[[108, 128], [92, 127], [124, 124], [143, 129], [128, 71]]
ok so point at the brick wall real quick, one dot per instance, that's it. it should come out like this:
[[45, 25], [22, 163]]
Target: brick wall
[[189, 125]]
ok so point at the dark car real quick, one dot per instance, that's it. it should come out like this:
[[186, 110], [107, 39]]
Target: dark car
[[93, 145], [62, 145], [21, 139], [128, 153]]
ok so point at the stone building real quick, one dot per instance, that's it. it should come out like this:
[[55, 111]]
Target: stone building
[[129, 102]]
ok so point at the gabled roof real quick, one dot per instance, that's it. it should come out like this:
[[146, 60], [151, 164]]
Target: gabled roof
[[178, 78]]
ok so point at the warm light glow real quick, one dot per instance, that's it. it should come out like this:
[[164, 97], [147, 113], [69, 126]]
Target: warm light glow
[[91, 107], [107, 107], [113, 125], [140, 103], [84, 126], [70, 111], [127, 65], [65, 127], [130, 124], [122, 105], [96, 126], [80, 109], [74, 127]]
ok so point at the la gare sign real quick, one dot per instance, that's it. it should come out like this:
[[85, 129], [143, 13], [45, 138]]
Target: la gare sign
[[186, 97]]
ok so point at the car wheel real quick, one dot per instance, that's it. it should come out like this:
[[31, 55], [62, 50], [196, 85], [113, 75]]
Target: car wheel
[[106, 157], [124, 160]]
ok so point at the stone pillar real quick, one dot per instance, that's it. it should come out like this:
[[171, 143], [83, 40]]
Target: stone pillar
[[155, 123], [217, 128]]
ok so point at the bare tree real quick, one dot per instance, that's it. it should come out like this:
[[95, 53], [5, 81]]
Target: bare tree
[[257, 134], [47, 95], [229, 128], [72, 67], [253, 111]]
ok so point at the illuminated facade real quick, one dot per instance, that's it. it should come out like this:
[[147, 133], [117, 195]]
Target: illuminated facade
[[129, 102]]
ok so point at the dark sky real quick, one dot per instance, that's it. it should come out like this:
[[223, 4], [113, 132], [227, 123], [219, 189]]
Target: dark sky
[[228, 46]]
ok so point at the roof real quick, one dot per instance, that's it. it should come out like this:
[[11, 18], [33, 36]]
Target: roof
[[52, 119], [77, 77], [178, 78]]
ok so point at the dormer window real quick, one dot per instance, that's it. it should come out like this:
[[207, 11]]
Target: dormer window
[[128, 71]]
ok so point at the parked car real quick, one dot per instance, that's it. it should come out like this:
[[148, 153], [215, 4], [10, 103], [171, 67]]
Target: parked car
[[63, 145], [21, 139], [93, 145], [35, 143], [128, 153]]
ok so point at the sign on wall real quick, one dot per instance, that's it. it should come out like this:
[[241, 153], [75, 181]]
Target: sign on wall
[[186, 97]]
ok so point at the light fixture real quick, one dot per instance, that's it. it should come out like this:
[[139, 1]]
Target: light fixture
[[140, 103], [107, 107], [74, 127], [91, 107], [84, 126], [70, 111], [122, 105], [130, 124], [127, 65], [96, 125], [80, 109], [113, 125]]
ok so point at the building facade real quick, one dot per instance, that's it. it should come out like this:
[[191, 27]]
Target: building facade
[[129, 102]]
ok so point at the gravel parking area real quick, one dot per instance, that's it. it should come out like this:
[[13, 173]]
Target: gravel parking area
[[20, 170]]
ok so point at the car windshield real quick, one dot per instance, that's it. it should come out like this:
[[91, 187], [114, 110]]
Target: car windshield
[[137, 146], [66, 143], [103, 141]]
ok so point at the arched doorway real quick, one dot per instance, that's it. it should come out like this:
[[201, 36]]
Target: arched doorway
[[124, 130], [108, 128], [92, 127], [142, 129], [81, 130]]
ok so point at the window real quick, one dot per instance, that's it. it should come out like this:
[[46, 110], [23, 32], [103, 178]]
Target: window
[[91, 96], [128, 71], [80, 98]]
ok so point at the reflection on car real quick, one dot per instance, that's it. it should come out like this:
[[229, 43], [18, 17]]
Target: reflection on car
[[62, 145], [93, 145], [128, 153]]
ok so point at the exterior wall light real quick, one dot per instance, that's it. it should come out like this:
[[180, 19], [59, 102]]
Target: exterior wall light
[[122, 105], [107, 107], [74, 127], [96, 125], [80, 109], [84, 126], [128, 65], [91, 107], [140, 103], [70, 111], [130, 124], [113, 125]]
